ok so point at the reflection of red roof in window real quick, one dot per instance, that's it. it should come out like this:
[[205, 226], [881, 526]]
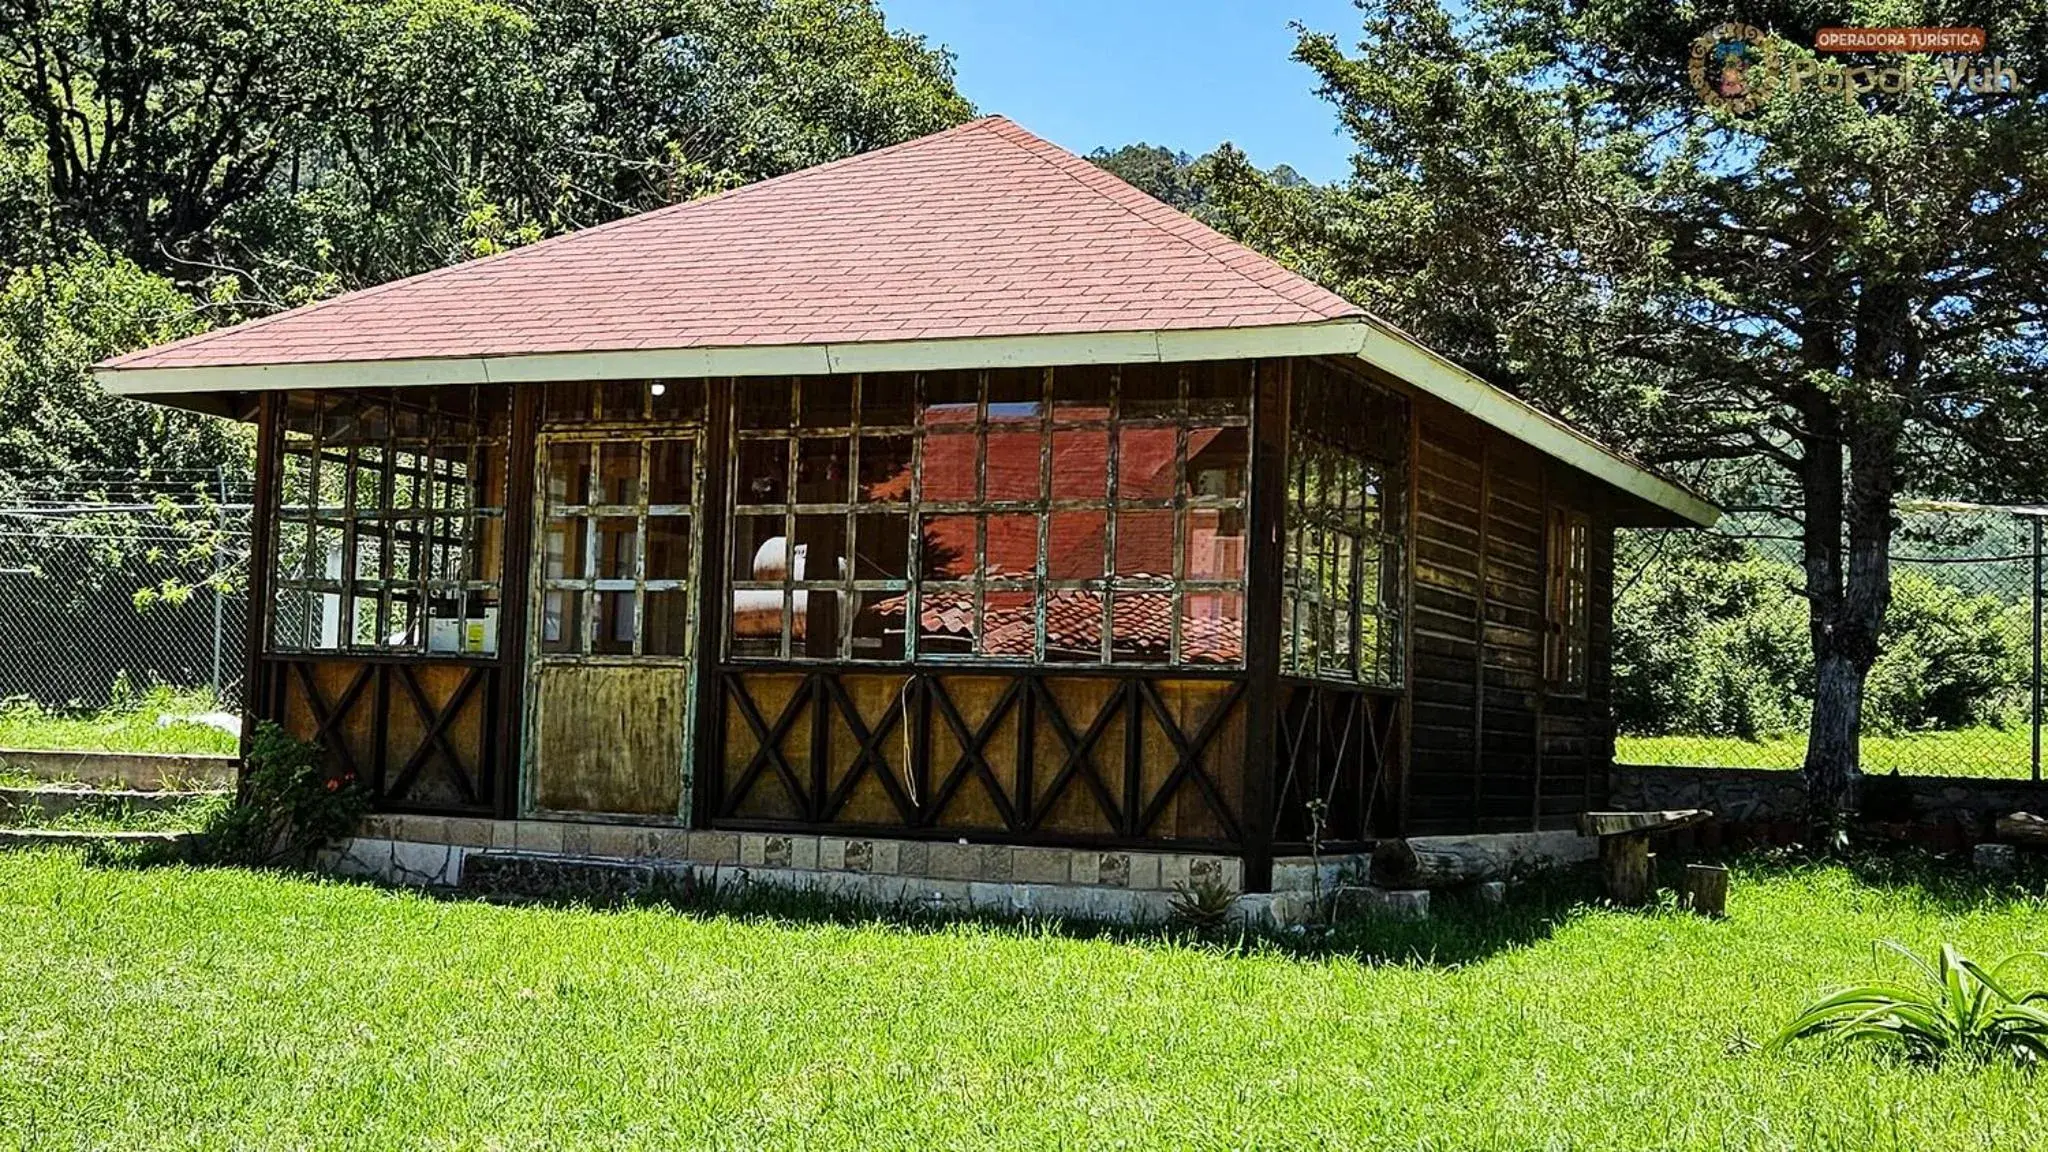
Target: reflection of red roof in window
[[980, 230], [1141, 630]]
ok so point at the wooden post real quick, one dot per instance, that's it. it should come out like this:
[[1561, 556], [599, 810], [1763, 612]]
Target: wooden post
[[1272, 383], [1629, 867], [256, 701], [1706, 889]]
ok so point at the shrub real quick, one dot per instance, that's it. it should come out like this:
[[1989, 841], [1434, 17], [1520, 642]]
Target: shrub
[[289, 808], [1956, 1008]]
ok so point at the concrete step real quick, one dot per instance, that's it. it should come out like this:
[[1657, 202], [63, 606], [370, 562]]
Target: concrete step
[[138, 771], [177, 844], [56, 801]]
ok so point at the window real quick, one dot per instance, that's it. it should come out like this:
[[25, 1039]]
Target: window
[[1083, 515], [621, 469], [390, 520], [1569, 619], [1342, 571]]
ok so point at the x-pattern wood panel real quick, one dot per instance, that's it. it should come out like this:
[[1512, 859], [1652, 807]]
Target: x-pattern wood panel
[[453, 731], [1336, 750], [925, 706]]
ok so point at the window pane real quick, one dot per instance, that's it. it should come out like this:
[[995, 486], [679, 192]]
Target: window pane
[[763, 403], [1141, 627], [668, 548], [821, 471], [616, 619], [759, 550], [1080, 464], [1075, 545], [1012, 547], [618, 473], [1016, 395], [1081, 393], [885, 468], [1216, 463], [1148, 390], [951, 397], [570, 403], [814, 633], [949, 467], [820, 548], [1009, 625], [618, 548], [881, 546], [755, 626], [676, 401], [569, 474], [878, 626], [1218, 388], [1144, 542], [1145, 463], [1216, 544], [825, 402], [1212, 627], [763, 472], [622, 401], [948, 548], [665, 630], [945, 621], [1014, 464], [888, 400], [1073, 626], [671, 472]]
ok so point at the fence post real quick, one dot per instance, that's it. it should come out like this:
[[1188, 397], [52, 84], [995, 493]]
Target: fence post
[[220, 543], [2035, 724]]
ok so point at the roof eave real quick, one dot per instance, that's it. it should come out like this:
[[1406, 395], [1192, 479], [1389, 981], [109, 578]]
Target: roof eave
[[1372, 341]]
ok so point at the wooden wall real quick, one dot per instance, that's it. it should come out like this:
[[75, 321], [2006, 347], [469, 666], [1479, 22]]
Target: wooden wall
[[1491, 749]]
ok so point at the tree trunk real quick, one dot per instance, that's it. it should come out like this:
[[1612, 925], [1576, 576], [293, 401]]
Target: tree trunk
[[1832, 742]]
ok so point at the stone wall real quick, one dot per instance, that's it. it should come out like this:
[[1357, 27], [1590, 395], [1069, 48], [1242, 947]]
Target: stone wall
[[1766, 804]]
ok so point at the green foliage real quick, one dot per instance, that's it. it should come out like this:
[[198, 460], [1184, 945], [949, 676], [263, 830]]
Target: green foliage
[[290, 805], [1957, 1008], [133, 724], [1203, 906], [1716, 645]]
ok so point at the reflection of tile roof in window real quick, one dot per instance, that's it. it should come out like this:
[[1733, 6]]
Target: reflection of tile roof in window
[[1141, 631]]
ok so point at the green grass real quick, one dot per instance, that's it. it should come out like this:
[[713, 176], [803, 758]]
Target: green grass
[[1999, 753], [131, 728], [173, 1008], [186, 816]]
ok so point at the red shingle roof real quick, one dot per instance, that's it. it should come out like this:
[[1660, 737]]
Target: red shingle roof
[[980, 230]]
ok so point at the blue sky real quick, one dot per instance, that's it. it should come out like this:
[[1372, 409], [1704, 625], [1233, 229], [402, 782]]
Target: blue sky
[[1186, 74]]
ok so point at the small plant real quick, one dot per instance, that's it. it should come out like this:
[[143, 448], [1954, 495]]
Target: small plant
[[1204, 905], [1957, 1008], [289, 808]]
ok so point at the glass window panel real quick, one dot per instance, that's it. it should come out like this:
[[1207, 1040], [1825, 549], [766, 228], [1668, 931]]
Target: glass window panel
[[814, 633], [820, 547], [877, 626], [570, 403], [945, 625], [616, 621], [618, 473], [671, 471], [1076, 545], [885, 468], [950, 464], [948, 546], [622, 401], [295, 481], [618, 548], [1014, 464], [1144, 543], [369, 558], [664, 629], [1073, 625], [763, 403], [363, 626], [888, 400], [1081, 393], [407, 550], [1148, 390], [1216, 545], [676, 400], [569, 474], [821, 471], [763, 472], [1016, 395], [951, 397], [1145, 465], [759, 548], [755, 625], [291, 556], [1212, 627], [1141, 627], [1218, 388], [1080, 464], [1009, 625], [1217, 458], [881, 546], [825, 402], [1012, 545], [668, 548]]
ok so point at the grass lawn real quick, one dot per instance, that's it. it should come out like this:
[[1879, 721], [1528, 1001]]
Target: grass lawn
[[132, 728], [1988, 752], [172, 1008]]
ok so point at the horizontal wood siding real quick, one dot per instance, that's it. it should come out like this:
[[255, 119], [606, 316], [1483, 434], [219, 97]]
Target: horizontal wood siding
[[1492, 750]]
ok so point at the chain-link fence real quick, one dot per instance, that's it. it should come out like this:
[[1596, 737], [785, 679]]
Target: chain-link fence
[[1714, 668], [116, 585]]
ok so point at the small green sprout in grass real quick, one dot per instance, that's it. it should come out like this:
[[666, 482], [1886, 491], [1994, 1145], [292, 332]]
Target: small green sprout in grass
[[1958, 1008]]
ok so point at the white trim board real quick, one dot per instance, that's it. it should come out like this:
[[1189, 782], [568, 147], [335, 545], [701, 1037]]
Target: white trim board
[[1376, 343]]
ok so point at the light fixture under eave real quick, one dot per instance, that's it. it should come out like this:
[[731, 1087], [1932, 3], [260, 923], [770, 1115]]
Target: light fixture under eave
[[658, 389]]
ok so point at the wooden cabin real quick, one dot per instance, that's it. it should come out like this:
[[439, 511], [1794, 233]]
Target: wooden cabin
[[952, 492]]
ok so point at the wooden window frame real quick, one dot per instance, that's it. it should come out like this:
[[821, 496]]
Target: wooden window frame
[[433, 480], [1568, 601], [1181, 415]]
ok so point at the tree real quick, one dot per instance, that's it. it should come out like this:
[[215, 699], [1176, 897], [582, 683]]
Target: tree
[[1813, 306]]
